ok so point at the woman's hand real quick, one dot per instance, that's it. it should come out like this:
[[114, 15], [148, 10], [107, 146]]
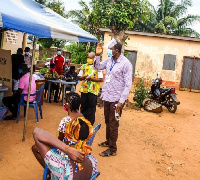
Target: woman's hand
[[76, 155], [99, 49]]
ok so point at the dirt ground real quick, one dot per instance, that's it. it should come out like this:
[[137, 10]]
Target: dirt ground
[[150, 146]]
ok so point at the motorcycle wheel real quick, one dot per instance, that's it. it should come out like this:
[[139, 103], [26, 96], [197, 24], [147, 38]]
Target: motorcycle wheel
[[172, 107]]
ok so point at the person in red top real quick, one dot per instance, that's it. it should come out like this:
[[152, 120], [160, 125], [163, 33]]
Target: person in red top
[[59, 62]]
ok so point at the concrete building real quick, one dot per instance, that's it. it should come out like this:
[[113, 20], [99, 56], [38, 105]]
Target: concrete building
[[11, 40], [176, 58]]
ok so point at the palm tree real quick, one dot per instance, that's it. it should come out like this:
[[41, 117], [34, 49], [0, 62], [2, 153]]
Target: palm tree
[[169, 19], [82, 17]]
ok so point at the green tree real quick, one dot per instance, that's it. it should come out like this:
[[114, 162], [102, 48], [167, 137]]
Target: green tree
[[56, 6], [41, 1], [46, 43], [141, 87], [118, 15], [79, 52], [169, 19]]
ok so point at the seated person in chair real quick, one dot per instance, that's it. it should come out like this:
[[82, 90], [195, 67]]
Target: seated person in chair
[[54, 86], [71, 106], [12, 101], [76, 163], [71, 76]]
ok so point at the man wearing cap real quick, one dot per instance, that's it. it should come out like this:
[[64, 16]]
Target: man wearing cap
[[71, 75], [59, 62], [28, 58], [115, 90]]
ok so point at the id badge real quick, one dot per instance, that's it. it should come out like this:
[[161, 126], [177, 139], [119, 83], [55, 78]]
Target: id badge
[[108, 78]]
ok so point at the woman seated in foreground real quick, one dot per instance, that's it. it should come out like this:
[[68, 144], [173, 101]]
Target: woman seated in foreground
[[75, 163], [71, 106]]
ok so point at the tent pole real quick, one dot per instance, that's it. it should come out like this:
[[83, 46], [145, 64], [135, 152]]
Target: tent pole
[[29, 89], [24, 42]]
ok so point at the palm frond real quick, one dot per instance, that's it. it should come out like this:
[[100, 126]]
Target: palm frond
[[188, 21], [84, 5], [188, 32]]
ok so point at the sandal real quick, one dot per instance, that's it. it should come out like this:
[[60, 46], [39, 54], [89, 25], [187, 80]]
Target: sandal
[[107, 153], [104, 144], [11, 117]]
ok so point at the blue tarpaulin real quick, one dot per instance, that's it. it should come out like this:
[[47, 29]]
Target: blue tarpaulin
[[30, 17]]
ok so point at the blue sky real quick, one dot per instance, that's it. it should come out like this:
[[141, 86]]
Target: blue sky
[[195, 9]]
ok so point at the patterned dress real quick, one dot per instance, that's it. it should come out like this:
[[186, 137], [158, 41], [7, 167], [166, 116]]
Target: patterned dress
[[59, 163], [60, 166]]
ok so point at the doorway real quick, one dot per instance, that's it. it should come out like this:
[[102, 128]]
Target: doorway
[[191, 74], [132, 57]]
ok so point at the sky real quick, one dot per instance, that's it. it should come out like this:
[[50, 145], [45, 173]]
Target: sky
[[194, 10]]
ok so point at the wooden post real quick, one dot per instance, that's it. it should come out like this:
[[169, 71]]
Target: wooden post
[[29, 89], [24, 42]]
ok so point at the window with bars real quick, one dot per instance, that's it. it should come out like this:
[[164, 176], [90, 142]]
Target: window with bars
[[169, 62]]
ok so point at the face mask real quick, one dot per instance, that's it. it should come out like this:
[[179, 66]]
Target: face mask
[[59, 53], [65, 108], [20, 71], [27, 53], [109, 53], [53, 69], [89, 61]]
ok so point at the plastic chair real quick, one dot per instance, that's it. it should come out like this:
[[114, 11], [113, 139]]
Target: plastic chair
[[94, 176], [3, 112], [34, 104], [90, 141], [96, 128]]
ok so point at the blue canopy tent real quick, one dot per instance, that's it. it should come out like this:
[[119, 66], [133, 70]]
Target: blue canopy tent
[[30, 17]]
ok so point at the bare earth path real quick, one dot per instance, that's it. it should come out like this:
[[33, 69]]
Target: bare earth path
[[150, 146]]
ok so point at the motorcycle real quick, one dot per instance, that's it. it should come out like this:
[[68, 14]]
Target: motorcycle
[[164, 96]]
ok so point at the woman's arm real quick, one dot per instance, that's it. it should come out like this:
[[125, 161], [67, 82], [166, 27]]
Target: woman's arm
[[45, 141]]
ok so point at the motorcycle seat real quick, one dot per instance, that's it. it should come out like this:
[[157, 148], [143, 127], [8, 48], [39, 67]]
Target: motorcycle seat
[[162, 90]]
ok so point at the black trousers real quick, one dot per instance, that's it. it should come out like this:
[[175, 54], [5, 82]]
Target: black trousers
[[12, 103], [88, 106], [112, 125]]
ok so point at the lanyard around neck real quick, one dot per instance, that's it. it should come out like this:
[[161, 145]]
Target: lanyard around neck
[[112, 65]]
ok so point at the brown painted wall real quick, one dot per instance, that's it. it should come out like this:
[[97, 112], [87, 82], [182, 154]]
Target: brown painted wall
[[6, 70]]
